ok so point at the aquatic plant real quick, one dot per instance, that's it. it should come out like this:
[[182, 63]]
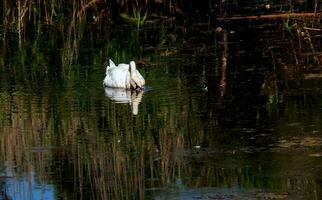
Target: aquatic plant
[[138, 18], [289, 25]]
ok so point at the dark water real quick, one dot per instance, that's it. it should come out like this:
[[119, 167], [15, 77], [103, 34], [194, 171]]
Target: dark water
[[200, 131]]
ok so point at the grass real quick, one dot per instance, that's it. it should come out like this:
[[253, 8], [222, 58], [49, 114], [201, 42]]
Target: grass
[[138, 18]]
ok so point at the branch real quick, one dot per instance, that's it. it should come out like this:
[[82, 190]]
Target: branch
[[272, 16]]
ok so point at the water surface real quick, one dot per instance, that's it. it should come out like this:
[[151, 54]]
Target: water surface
[[201, 131]]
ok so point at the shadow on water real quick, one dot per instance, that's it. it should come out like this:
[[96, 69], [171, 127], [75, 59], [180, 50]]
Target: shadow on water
[[229, 115]]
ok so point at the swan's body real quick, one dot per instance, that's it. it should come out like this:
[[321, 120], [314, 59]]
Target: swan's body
[[123, 76]]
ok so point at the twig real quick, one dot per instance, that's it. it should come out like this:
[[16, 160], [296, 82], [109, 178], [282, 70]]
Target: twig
[[312, 29], [87, 6], [272, 16]]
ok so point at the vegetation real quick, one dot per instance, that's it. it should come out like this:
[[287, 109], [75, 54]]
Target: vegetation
[[56, 122]]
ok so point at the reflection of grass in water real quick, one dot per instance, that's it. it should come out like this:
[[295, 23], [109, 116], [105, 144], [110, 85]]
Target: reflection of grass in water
[[108, 156], [110, 169], [99, 145]]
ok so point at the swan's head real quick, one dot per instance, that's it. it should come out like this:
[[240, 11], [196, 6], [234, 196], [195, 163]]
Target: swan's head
[[135, 80]]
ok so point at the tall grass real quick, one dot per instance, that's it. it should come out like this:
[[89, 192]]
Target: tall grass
[[21, 14], [27, 22]]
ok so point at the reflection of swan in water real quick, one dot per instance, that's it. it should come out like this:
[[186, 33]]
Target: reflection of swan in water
[[119, 95]]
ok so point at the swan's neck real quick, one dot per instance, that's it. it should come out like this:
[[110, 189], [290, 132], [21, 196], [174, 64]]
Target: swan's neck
[[135, 81], [132, 67], [132, 70]]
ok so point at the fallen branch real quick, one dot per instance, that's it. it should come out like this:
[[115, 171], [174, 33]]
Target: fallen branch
[[272, 16], [316, 53], [312, 29]]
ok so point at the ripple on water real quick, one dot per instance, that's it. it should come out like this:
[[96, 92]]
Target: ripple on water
[[208, 193]]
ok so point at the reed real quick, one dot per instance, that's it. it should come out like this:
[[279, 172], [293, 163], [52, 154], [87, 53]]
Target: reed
[[21, 14], [69, 134]]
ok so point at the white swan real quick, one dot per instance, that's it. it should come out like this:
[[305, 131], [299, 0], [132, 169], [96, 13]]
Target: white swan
[[123, 76], [120, 95]]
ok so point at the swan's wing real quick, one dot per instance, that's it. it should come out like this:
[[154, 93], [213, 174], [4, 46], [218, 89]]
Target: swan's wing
[[112, 64], [128, 80], [125, 69], [116, 77], [124, 66], [106, 71]]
